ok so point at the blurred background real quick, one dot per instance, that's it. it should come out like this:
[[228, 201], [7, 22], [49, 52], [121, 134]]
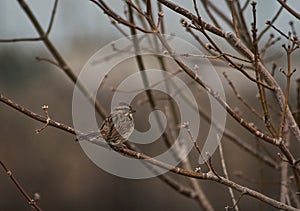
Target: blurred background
[[51, 163]]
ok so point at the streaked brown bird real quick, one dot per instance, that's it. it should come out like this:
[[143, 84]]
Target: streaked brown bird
[[116, 127]]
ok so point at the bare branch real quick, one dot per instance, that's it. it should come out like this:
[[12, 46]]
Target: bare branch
[[288, 8], [30, 200]]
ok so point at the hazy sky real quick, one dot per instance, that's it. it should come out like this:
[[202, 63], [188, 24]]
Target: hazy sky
[[80, 17]]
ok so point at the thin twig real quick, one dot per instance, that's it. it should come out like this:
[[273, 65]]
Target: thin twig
[[47, 60], [52, 18], [45, 108], [294, 32], [206, 5], [234, 19], [245, 35], [30, 200], [288, 8], [201, 28], [294, 40], [234, 201], [186, 126], [289, 50], [101, 4], [235, 204], [284, 181], [270, 42], [246, 5], [239, 97], [268, 26], [261, 90], [115, 24]]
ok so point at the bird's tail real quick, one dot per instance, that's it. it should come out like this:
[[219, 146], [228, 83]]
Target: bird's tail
[[89, 137]]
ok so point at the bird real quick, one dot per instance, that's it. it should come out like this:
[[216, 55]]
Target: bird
[[116, 127]]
